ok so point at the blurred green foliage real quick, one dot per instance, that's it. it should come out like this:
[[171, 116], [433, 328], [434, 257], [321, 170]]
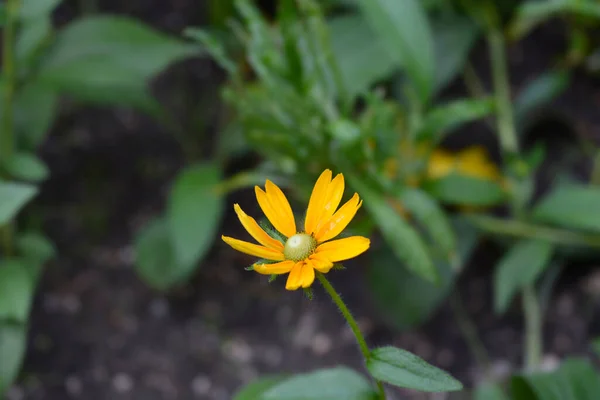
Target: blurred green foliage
[[352, 85], [99, 59]]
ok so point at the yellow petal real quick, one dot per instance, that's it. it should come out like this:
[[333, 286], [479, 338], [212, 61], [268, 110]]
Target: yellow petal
[[308, 274], [321, 264], [256, 231], [474, 161], [335, 191], [294, 280], [279, 268], [315, 204], [270, 212], [253, 249], [343, 249], [340, 220], [440, 164], [282, 208]]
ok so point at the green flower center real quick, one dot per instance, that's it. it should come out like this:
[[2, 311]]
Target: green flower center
[[299, 247]]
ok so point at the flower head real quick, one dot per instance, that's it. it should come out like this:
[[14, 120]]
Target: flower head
[[302, 251]]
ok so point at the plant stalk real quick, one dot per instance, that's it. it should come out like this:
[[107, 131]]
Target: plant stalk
[[360, 339], [506, 124], [469, 331], [519, 229], [533, 328], [7, 140]]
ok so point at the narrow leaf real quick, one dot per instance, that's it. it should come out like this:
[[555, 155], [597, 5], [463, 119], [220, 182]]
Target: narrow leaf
[[540, 91], [362, 58], [406, 300], [404, 30], [13, 341], [443, 119], [16, 291], [194, 212], [458, 189], [256, 389], [431, 216], [324, 384], [401, 237], [519, 267], [571, 206], [13, 197], [401, 368], [27, 167], [155, 257], [454, 37]]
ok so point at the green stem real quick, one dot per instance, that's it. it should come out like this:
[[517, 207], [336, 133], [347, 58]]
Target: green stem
[[9, 74], [360, 339], [469, 331], [506, 125], [7, 140], [515, 228], [533, 328]]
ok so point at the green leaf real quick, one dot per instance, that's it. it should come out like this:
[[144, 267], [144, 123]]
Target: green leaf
[[36, 109], [464, 190], [35, 249], [403, 369], [489, 391], [35, 246], [519, 267], [430, 215], [576, 379], [194, 212], [362, 58], [540, 91], [339, 383], [32, 35], [532, 13], [454, 37], [16, 291], [443, 119], [405, 299], [596, 346], [13, 197], [400, 236], [571, 206], [109, 54], [256, 389], [27, 167], [155, 257], [404, 30], [214, 47], [13, 341], [34, 8]]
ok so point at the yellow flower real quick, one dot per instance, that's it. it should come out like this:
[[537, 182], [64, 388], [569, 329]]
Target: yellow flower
[[303, 251], [472, 161]]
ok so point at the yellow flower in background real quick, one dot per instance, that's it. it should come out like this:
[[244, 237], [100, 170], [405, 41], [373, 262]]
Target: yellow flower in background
[[302, 251], [472, 161]]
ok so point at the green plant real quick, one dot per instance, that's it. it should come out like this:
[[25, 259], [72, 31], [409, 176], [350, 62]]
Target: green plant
[[309, 105], [105, 60]]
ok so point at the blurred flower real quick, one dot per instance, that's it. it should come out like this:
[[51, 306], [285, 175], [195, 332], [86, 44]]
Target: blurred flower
[[301, 252], [472, 161]]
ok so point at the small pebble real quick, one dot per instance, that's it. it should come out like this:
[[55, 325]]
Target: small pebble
[[122, 383], [238, 351], [321, 344], [159, 308], [550, 362], [73, 385], [201, 385]]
